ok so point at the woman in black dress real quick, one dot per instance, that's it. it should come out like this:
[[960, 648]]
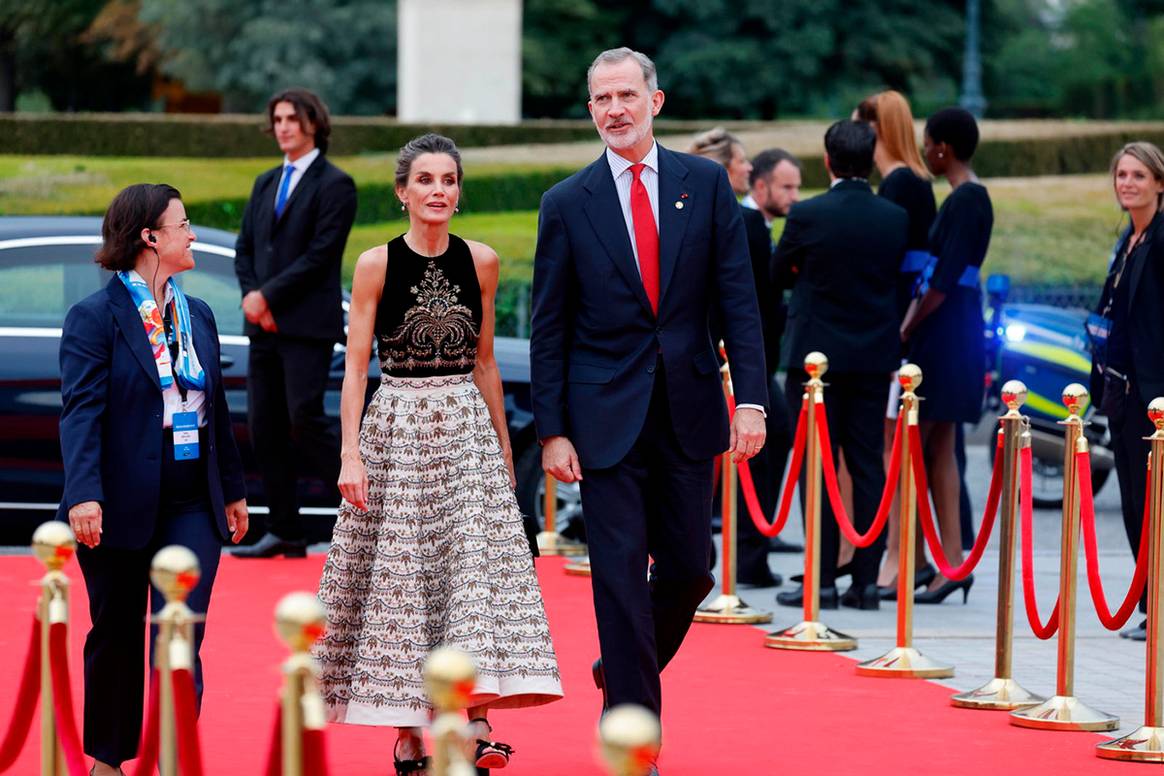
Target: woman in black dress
[[943, 327], [905, 182], [1127, 329]]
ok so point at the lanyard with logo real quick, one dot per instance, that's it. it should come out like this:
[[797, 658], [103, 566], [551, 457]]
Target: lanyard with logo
[[185, 423]]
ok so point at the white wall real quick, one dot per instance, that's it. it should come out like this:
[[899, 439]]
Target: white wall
[[459, 61]]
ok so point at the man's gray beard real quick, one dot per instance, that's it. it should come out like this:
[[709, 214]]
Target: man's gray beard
[[631, 140]]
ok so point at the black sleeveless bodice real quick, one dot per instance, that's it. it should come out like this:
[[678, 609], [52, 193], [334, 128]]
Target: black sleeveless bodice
[[429, 316]]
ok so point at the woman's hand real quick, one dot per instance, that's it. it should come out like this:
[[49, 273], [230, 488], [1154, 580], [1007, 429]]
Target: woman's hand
[[237, 519], [353, 481], [85, 520], [507, 451]]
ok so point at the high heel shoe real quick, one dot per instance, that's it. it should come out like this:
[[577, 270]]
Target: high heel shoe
[[406, 767], [938, 594], [921, 578]]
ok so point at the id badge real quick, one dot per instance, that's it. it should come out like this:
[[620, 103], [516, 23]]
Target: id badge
[[1098, 328], [185, 436]]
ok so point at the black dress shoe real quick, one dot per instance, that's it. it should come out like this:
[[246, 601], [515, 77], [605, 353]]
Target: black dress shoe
[[921, 578], [843, 570], [1136, 632], [776, 544], [938, 594], [862, 597], [600, 682], [763, 579], [828, 597], [271, 546]]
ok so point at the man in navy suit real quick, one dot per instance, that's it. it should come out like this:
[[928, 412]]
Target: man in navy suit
[[631, 253]]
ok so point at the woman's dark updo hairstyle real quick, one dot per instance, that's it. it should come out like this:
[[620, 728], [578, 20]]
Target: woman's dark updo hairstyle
[[957, 128], [432, 143], [135, 207]]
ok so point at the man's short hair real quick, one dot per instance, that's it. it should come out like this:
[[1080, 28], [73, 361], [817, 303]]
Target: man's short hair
[[957, 127], [766, 161], [309, 109], [615, 55], [849, 146]]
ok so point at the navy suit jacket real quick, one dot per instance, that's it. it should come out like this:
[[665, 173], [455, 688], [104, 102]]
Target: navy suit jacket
[[595, 341], [111, 417]]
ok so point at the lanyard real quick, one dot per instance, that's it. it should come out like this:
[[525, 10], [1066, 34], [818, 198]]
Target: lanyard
[[172, 341]]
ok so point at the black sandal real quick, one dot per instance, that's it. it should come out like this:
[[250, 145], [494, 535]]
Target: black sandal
[[490, 754], [406, 767]]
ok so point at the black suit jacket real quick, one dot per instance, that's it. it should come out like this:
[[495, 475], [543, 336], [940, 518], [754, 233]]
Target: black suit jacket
[[773, 311], [1145, 317], [295, 260], [841, 252], [594, 341], [111, 417]]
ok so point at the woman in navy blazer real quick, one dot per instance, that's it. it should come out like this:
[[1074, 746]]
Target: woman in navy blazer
[[148, 452]]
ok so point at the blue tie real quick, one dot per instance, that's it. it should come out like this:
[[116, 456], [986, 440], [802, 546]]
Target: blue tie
[[284, 188]]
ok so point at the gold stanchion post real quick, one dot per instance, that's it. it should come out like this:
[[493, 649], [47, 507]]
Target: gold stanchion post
[[904, 661], [1146, 743], [54, 546], [727, 608], [550, 542], [1003, 692], [1064, 711], [811, 634], [449, 679], [630, 738], [174, 571], [299, 620]]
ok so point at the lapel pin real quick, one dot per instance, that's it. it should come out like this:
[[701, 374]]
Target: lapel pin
[[683, 195], [678, 205]]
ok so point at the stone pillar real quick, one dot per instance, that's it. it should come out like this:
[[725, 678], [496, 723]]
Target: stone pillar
[[459, 61]]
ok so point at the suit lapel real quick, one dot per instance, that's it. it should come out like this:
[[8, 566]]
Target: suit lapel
[[129, 321], [672, 217], [603, 210], [202, 334], [1145, 252]]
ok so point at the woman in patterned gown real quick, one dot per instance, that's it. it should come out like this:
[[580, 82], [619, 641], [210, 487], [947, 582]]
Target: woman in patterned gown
[[429, 548]]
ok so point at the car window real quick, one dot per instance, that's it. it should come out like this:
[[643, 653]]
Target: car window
[[213, 282], [38, 284]]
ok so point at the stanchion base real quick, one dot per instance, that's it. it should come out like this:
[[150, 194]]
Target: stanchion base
[[904, 663], [1063, 712], [578, 568], [730, 610], [553, 543], [997, 694], [1144, 745], [813, 636]]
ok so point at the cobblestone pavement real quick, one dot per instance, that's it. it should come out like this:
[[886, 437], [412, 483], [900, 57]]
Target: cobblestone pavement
[[1109, 670]]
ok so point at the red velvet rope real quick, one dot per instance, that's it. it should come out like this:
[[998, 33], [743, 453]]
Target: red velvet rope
[[1094, 582], [26, 697], [186, 713], [926, 517], [748, 486], [834, 490], [1026, 510], [314, 755], [66, 717], [147, 752], [275, 753]]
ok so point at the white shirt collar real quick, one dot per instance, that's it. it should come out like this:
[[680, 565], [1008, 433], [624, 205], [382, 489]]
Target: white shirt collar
[[302, 163], [620, 164], [839, 180]]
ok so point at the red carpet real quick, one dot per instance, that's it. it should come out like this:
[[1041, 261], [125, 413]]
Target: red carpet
[[731, 705]]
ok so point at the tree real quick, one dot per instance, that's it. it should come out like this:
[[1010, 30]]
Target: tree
[[247, 49]]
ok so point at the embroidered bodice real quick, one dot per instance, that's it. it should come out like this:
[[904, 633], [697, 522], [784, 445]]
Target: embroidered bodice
[[429, 316]]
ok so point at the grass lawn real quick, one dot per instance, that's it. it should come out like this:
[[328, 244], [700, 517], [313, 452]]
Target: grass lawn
[[1046, 230]]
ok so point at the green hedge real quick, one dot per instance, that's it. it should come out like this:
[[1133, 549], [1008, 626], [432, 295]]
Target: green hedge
[[160, 134], [1070, 155]]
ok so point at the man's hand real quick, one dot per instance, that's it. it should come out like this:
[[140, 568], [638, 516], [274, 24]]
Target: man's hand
[[237, 519], [748, 434], [85, 520], [267, 322], [254, 306], [560, 460]]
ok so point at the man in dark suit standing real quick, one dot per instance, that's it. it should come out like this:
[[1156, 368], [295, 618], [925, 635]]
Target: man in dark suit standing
[[288, 259], [840, 251], [631, 252]]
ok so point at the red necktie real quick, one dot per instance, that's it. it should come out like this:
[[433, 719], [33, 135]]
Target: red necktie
[[646, 237]]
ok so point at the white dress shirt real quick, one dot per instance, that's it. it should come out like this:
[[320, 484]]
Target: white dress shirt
[[620, 168], [300, 166], [172, 397]]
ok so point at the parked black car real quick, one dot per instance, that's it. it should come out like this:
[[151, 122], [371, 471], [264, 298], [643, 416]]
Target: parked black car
[[46, 266]]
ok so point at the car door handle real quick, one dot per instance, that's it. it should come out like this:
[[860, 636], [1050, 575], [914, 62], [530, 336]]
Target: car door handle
[[225, 361]]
